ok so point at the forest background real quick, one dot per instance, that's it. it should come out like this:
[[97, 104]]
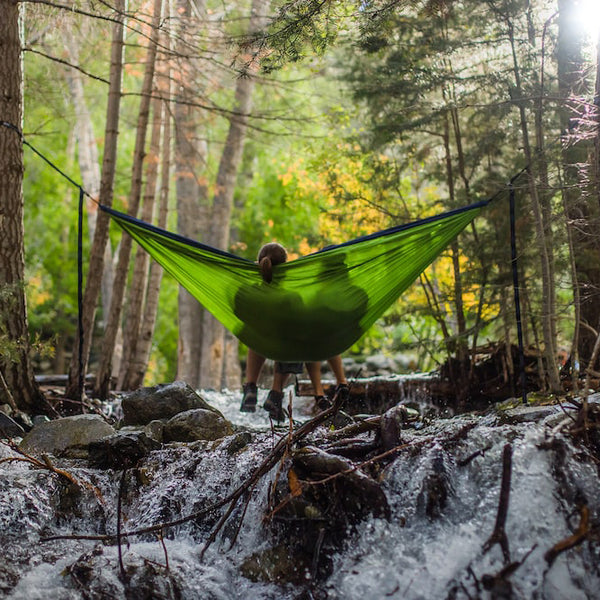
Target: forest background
[[308, 123]]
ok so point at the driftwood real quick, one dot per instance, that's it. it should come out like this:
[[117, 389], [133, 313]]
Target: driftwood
[[499, 534]]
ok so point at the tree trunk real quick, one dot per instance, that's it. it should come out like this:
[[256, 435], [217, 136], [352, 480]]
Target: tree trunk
[[548, 286], [139, 279], [213, 333], [114, 317], [581, 190], [17, 379], [139, 363], [99, 243], [192, 194]]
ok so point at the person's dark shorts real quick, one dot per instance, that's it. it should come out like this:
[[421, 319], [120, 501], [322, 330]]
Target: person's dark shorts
[[289, 367]]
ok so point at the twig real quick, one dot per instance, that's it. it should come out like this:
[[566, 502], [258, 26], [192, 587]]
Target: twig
[[161, 539], [46, 464], [370, 424], [119, 502], [239, 525], [573, 540], [499, 534], [7, 393]]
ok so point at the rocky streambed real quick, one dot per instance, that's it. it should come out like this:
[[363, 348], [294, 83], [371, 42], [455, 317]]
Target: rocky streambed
[[171, 494]]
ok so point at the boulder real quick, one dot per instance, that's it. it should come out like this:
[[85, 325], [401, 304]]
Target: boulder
[[120, 451], [196, 424], [69, 436], [528, 414], [161, 403]]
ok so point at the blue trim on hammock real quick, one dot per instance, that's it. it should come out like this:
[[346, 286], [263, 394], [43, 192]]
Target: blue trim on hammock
[[410, 225], [173, 236], [184, 240]]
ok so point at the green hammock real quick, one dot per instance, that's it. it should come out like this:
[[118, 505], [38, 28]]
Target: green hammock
[[316, 306]]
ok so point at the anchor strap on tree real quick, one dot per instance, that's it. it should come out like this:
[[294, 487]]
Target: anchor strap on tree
[[316, 306]]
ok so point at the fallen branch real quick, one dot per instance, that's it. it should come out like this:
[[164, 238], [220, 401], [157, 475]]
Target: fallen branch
[[573, 540], [46, 464], [499, 534]]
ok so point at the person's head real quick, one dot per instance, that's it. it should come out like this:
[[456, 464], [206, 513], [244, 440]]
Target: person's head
[[270, 254]]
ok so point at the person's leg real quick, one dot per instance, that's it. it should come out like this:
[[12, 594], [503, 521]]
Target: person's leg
[[279, 381], [254, 364], [338, 369], [274, 402], [314, 372]]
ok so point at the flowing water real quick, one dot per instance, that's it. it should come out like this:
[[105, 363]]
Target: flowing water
[[429, 547]]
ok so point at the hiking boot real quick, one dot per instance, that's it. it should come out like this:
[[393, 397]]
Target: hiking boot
[[273, 405], [342, 391], [249, 398], [322, 403]]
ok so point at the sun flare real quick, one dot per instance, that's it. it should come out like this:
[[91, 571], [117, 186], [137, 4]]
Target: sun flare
[[588, 15]]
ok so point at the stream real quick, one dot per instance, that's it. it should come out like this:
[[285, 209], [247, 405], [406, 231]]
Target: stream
[[440, 487]]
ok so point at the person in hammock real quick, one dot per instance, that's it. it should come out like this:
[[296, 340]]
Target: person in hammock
[[272, 254]]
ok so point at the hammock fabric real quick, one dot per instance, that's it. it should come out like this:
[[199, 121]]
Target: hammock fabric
[[316, 306]]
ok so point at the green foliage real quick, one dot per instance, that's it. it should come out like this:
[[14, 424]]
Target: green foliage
[[302, 27], [273, 210]]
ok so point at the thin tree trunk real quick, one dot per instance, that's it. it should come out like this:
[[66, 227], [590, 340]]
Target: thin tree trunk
[[461, 347], [100, 240], [16, 370], [581, 189], [114, 317], [548, 287], [139, 279], [139, 363], [213, 340], [192, 194]]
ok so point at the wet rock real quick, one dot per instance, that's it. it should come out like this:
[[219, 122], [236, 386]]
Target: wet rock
[[96, 576], [527, 414], [196, 424], [161, 402], [120, 451], [277, 565], [69, 436], [236, 442], [154, 430], [391, 426], [9, 428], [436, 486]]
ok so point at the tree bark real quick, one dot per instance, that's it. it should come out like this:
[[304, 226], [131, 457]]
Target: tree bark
[[548, 286], [581, 189], [192, 193], [213, 333], [100, 240], [103, 378], [15, 365], [139, 363], [141, 265]]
